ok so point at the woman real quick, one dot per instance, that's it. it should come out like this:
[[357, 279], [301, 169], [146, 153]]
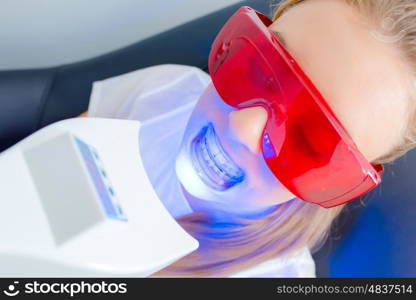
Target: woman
[[360, 55]]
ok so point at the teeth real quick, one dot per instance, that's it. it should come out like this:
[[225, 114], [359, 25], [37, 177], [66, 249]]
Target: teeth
[[213, 165]]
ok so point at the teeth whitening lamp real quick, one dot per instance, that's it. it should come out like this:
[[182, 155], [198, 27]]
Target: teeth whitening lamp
[[76, 202]]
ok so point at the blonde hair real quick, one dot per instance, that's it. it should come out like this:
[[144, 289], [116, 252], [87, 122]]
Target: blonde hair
[[229, 244]]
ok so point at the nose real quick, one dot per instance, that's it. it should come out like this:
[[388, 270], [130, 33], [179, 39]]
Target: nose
[[247, 126]]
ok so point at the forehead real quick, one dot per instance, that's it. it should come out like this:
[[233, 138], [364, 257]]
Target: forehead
[[361, 77]]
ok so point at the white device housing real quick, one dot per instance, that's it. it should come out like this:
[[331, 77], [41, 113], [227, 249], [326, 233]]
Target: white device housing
[[54, 221]]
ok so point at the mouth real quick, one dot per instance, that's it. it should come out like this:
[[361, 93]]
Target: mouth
[[212, 163]]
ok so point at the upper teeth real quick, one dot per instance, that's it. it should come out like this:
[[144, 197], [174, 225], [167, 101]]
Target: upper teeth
[[212, 163]]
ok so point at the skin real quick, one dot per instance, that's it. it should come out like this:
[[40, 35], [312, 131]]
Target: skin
[[362, 78]]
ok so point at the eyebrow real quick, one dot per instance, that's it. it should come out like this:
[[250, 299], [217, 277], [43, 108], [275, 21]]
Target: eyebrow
[[280, 37]]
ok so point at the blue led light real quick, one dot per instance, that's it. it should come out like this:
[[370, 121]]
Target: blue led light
[[105, 193], [268, 149]]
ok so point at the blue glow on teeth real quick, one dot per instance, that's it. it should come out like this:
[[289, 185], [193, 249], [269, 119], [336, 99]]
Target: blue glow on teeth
[[213, 165]]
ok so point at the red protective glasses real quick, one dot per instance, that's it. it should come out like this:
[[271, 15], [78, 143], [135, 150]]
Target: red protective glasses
[[304, 144]]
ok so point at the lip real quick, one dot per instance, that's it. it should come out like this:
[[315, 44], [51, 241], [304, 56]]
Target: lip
[[212, 163]]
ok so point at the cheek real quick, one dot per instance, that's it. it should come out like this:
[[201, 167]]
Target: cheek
[[273, 193], [267, 188], [273, 190]]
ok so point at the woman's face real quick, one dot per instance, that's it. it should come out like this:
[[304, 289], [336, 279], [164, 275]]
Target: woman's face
[[360, 76]]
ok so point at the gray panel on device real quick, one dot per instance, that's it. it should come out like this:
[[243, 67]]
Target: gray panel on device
[[64, 187]]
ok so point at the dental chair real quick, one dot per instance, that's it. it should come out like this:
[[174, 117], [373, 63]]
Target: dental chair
[[375, 236]]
